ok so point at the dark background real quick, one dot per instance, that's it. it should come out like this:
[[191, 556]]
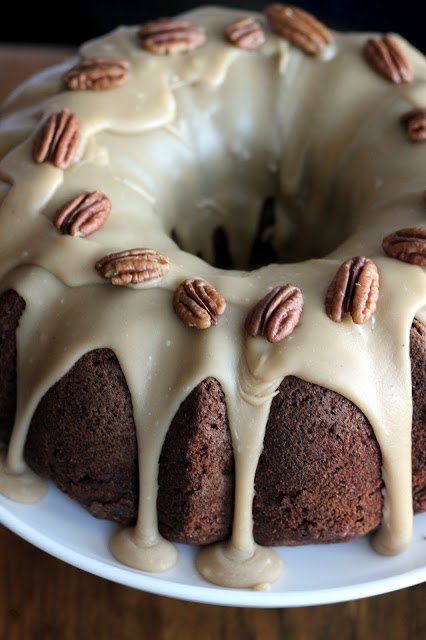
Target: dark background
[[73, 22]]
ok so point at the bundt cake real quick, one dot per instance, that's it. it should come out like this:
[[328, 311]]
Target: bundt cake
[[213, 288]]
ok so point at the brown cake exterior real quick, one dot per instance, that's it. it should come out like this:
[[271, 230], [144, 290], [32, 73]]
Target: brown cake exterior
[[97, 462], [318, 477], [196, 473], [11, 308], [418, 369]]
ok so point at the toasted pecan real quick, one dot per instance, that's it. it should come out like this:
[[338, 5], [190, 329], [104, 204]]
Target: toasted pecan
[[133, 266], [298, 27], [414, 122], [84, 214], [97, 74], [166, 36], [245, 33], [57, 139], [407, 245], [386, 57], [276, 315], [198, 304], [354, 290]]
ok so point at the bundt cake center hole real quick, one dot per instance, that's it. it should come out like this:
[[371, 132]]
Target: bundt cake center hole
[[280, 235]]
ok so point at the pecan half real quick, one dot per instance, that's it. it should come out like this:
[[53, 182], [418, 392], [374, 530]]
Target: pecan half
[[386, 57], [354, 290], [415, 124], [84, 214], [57, 139], [198, 304], [276, 315], [165, 36], [407, 245], [133, 266], [245, 33], [299, 27], [96, 74]]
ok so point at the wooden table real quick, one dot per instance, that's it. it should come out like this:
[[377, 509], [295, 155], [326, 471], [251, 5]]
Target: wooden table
[[42, 598]]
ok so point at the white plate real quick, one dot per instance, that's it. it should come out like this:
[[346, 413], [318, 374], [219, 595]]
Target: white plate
[[312, 575]]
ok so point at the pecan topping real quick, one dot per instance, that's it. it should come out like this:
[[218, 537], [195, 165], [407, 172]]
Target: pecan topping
[[299, 27], [415, 124], [165, 36], [354, 289], [276, 315], [198, 304], [133, 266], [407, 245], [245, 33], [84, 214], [57, 139], [96, 74], [386, 57]]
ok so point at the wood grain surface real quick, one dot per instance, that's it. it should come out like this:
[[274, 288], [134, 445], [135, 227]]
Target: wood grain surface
[[42, 598]]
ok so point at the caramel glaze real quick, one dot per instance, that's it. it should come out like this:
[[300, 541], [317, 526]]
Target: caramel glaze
[[192, 142]]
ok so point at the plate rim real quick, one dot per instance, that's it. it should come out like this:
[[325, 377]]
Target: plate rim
[[209, 594]]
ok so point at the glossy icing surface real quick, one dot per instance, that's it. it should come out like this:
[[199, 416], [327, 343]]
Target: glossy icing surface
[[190, 143]]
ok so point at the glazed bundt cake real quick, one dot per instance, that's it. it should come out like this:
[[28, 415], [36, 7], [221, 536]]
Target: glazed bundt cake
[[213, 288]]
